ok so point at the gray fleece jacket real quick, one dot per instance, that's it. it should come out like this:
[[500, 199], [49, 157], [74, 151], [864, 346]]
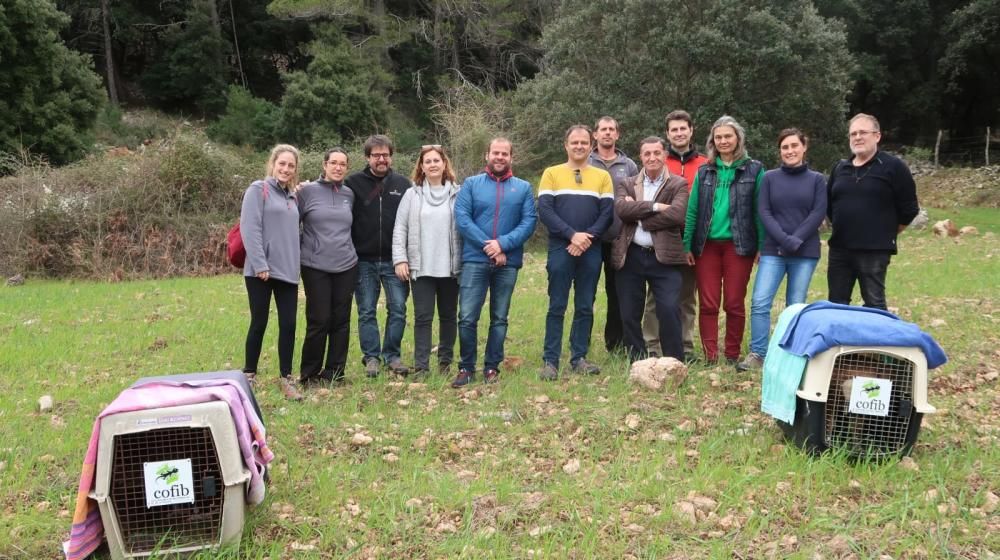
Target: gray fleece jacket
[[406, 233], [269, 225], [326, 212]]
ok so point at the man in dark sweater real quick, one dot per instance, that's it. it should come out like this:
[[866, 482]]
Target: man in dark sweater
[[608, 157], [871, 198], [377, 192]]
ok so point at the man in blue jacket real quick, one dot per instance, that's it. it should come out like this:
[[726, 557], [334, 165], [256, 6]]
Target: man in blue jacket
[[495, 214]]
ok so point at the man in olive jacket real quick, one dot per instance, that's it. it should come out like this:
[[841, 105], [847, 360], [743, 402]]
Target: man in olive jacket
[[650, 249]]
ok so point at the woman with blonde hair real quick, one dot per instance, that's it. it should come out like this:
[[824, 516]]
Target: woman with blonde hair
[[269, 225], [427, 251], [722, 235]]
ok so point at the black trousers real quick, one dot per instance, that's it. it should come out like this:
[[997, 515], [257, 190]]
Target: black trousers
[[868, 268], [613, 334], [426, 292], [641, 267], [286, 296], [329, 296]]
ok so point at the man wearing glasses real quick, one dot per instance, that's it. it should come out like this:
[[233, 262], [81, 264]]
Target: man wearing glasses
[[377, 192], [575, 202], [871, 198]]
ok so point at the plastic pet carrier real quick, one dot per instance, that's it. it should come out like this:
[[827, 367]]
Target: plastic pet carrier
[[170, 480], [866, 401]]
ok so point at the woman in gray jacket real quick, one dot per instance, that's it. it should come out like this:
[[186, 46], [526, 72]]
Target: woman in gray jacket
[[427, 251], [269, 226], [329, 270]]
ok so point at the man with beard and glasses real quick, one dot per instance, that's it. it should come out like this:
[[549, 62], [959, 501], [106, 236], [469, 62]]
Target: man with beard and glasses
[[377, 193], [495, 215]]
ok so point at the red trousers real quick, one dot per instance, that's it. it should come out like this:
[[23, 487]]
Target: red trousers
[[723, 275]]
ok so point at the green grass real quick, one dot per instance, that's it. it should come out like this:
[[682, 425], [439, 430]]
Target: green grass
[[480, 472]]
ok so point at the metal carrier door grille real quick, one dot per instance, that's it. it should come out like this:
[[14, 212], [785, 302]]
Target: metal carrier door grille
[[861, 434], [171, 526]]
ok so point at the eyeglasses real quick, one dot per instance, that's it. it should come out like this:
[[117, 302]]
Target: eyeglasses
[[431, 147], [577, 177], [380, 156], [861, 133]]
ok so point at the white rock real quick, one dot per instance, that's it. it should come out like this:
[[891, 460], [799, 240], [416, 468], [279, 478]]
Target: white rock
[[991, 502], [360, 439], [414, 503], [572, 466], [968, 230], [45, 403], [632, 421], [656, 373]]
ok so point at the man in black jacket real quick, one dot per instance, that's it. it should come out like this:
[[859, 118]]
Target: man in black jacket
[[377, 192], [871, 198]]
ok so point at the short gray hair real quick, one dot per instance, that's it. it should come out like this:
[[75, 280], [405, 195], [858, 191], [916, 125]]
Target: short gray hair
[[741, 139], [859, 116]]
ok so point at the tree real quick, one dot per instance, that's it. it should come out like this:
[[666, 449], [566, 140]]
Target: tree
[[191, 74], [970, 67], [49, 95], [340, 95], [770, 64]]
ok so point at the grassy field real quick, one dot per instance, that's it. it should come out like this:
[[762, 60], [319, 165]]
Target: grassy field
[[479, 473]]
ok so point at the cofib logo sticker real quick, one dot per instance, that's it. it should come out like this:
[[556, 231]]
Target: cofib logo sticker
[[870, 396], [168, 482]]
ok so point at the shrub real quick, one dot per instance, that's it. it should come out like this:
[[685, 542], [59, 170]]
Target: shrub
[[247, 121]]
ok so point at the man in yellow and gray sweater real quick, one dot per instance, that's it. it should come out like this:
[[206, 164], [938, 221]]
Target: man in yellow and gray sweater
[[575, 202]]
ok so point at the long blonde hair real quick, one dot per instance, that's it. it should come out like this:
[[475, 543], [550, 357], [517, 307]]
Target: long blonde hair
[[277, 151]]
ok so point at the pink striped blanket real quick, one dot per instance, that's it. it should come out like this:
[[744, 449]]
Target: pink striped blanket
[[87, 531]]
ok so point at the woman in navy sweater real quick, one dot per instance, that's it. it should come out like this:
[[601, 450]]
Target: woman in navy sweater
[[792, 205]]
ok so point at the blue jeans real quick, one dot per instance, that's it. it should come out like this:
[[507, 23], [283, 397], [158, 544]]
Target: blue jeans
[[372, 277], [582, 273], [475, 280], [770, 271]]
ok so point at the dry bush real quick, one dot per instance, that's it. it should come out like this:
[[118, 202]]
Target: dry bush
[[160, 212], [471, 117]]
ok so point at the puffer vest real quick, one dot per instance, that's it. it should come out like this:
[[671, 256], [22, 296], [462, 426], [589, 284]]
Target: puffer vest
[[741, 207]]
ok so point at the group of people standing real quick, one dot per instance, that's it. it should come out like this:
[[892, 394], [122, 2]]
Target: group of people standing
[[679, 227]]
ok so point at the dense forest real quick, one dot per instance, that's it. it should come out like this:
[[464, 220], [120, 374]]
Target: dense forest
[[321, 72]]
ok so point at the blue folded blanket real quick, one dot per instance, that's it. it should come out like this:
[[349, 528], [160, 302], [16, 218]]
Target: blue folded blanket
[[782, 372], [823, 325]]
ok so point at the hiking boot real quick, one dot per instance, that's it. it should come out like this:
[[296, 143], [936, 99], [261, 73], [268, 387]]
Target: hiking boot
[[397, 366], [752, 361], [371, 367], [289, 389], [444, 368], [491, 376], [549, 372], [463, 378], [583, 366]]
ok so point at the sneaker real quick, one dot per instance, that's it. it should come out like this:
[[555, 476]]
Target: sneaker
[[752, 361], [549, 372], [490, 376], [397, 366], [463, 378], [371, 367], [583, 366], [289, 390]]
